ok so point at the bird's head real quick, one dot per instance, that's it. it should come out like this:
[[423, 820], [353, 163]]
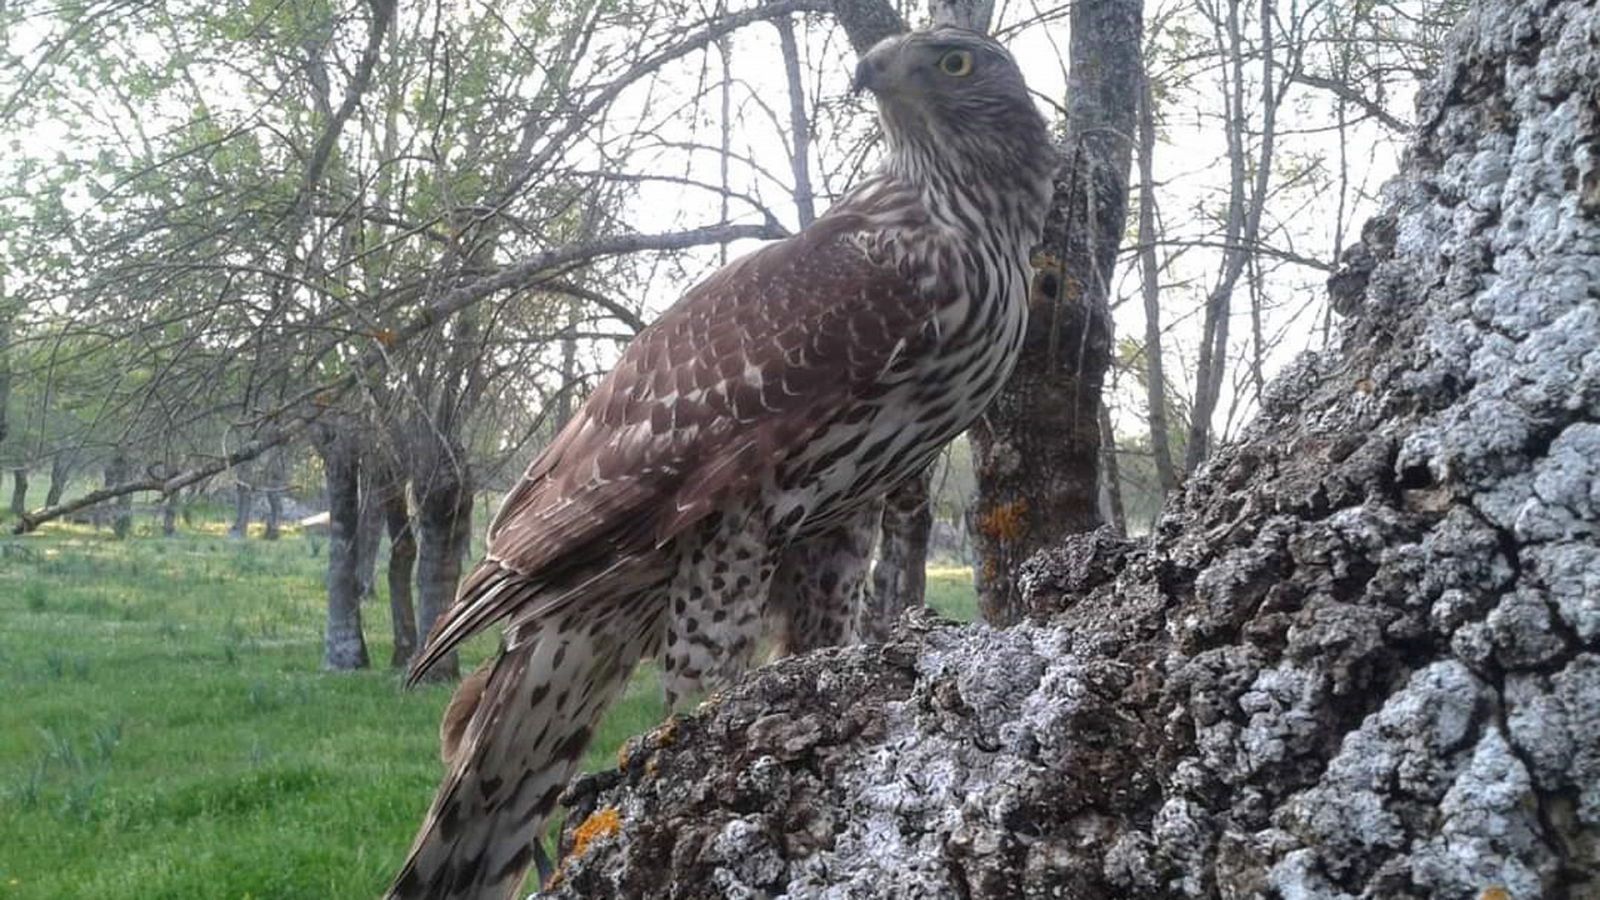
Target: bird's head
[[948, 91]]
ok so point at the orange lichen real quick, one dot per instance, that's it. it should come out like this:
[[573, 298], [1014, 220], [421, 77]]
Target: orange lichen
[[667, 733], [1495, 893], [602, 823], [1006, 522]]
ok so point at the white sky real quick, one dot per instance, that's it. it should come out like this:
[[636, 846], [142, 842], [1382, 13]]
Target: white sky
[[1189, 165]]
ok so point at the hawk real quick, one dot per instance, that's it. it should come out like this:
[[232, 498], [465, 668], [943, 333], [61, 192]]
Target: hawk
[[776, 401]]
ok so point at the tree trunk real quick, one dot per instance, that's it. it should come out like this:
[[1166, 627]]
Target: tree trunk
[[444, 531], [1111, 476], [1037, 449], [169, 514], [343, 646], [369, 535], [1150, 290], [122, 509], [402, 561], [1245, 209], [243, 498], [1361, 658], [5, 364], [19, 491], [60, 474], [277, 476], [900, 578]]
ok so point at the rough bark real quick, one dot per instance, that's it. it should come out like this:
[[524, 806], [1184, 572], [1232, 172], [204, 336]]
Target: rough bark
[[1358, 658], [344, 647], [1037, 449]]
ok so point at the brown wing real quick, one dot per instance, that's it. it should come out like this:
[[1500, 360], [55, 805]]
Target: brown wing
[[712, 395]]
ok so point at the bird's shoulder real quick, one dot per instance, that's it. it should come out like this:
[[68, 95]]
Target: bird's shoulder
[[748, 363]]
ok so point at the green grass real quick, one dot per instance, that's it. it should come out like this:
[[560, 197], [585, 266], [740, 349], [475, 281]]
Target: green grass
[[167, 732], [950, 592]]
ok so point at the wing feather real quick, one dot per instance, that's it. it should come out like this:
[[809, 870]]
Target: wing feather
[[717, 392]]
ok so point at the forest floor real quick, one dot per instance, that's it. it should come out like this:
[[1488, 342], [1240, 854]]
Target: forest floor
[[166, 729]]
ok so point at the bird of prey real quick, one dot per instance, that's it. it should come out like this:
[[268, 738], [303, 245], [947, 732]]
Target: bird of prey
[[775, 401]]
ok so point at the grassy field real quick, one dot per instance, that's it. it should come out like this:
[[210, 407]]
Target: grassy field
[[166, 730]]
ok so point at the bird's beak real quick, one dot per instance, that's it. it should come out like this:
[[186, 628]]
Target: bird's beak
[[866, 73], [871, 70]]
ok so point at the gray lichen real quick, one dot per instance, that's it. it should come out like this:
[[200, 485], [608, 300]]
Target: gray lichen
[[1360, 658]]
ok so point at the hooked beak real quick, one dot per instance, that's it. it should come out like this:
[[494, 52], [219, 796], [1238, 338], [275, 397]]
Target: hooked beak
[[866, 75], [871, 71]]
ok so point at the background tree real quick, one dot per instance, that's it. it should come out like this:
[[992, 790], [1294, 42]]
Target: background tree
[[1037, 448]]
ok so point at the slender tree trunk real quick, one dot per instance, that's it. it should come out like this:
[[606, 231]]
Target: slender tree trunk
[[799, 125], [169, 514], [122, 510], [565, 395], [277, 476], [402, 562], [243, 497], [369, 533], [60, 474], [1150, 284], [272, 528], [1037, 449], [5, 364], [444, 530], [344, 647], [1111, 475], [19, 491], [1244, 220], [900, 579]]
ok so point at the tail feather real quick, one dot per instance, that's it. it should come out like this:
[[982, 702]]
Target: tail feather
[[528, 721], [488, 593]]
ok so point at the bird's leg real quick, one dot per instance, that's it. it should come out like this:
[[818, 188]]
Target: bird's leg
[[820, 590], [542, 864], [719, 597]]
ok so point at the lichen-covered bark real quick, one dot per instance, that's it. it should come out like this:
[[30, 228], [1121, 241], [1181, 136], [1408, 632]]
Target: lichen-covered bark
[[1359, 658]]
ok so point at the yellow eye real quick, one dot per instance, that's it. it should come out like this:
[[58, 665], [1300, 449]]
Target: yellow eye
[[957, 63]]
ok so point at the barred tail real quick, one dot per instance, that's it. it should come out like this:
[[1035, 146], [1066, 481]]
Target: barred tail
[[530, 720]]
